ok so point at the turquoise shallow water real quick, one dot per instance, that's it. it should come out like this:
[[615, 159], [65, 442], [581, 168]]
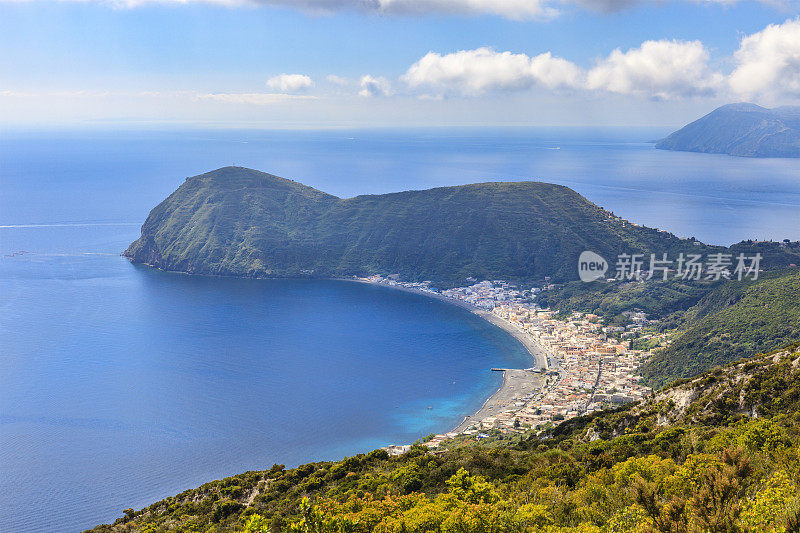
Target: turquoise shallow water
[[120, 385]]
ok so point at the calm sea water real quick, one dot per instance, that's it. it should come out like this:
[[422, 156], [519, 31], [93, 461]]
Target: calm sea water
[[120, 385]]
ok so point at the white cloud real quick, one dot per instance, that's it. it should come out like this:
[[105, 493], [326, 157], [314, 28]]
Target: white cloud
[[608, 6], [58, 94], [474, 72], [232, 98], [657, 69], [511, 9], [371, 86], [768, 62], [290, 83], [661, 70], [337, 80], [251, 98]]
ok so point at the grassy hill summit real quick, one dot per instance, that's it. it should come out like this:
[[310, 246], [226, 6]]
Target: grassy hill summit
[[746, 130], [241, 222]]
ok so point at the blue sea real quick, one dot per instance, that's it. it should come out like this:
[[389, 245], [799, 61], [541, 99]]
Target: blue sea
[[120, 385]]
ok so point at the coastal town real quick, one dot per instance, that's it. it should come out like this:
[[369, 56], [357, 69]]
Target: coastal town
[[581, 365]]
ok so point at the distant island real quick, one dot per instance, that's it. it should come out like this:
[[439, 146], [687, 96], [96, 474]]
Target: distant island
[[745, 130], [236, 221]]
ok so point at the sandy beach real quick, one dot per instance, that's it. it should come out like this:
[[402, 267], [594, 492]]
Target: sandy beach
[[536, 351], [516, 384]]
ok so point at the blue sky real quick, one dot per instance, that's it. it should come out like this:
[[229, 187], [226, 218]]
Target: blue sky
[[491, 62]]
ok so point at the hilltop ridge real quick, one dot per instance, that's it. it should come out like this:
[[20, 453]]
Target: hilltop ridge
[[241, 222]]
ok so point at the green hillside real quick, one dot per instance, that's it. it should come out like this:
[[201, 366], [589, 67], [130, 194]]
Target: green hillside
[[657, 298], [718, 453], [236, 221], [733, 321]]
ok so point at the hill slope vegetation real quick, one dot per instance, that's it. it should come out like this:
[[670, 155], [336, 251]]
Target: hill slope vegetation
[[241, 222], [733, 321]]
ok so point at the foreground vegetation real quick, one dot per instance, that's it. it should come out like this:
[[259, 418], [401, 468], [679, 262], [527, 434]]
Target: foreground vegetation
[[718, 453]]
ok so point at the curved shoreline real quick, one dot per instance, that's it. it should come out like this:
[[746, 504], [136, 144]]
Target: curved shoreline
[[514, 380], [534, 350]]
